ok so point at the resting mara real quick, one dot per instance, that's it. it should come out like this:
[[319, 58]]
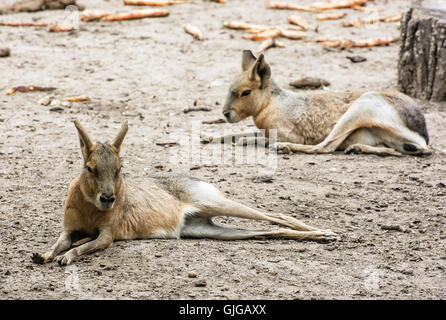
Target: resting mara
[[104, 207], [382, 123]]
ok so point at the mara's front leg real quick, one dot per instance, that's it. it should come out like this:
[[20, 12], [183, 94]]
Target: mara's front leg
[[62, 244], [104, 240]]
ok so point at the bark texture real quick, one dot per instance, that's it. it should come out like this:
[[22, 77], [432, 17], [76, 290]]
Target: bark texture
[[422, 58]]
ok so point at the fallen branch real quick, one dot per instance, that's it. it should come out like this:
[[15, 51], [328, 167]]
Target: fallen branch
[[92, 15], [139, 14], [336, 4], [330, 16], [193, 109], [294, 35], [213, 121], [60, 28], [237, 25], [354, 23], [78, 99], [153, 2], [28, 89], [194, 31], [289, 6], [270, 43], [299, 21], [23, 24], [335, 43], [263, 35]]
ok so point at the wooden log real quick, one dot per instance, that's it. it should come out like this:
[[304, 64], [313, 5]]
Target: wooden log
[[422, 57]]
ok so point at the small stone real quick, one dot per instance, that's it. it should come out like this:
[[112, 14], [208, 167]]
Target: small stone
[[45, 101], [5, 52], [55, 102], [192, 274], [201, 283]]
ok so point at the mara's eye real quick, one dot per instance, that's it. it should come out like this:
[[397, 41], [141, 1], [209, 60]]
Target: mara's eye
[[89, 169], [245, 93]]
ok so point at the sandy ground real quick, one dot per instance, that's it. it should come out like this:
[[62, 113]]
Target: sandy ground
[[147, 71]]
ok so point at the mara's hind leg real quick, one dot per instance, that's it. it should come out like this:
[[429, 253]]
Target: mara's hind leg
[[377, 150], [212, 202], [371, 111], [367, 140], [203, 227]]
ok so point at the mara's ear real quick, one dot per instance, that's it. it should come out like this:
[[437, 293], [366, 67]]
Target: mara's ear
[[261, 71], [84, 139], [121, 135], [247, 59]]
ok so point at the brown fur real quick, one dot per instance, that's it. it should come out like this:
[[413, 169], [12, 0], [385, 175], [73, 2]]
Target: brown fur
[[103, 207], [324, 122]]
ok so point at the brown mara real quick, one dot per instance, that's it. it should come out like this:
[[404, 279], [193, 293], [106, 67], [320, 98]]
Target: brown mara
[[102, 207]]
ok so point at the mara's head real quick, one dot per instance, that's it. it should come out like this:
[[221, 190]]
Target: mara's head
[[101, 176], [250, 90]]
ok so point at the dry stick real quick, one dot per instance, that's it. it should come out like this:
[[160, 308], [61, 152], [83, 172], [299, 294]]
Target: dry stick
[[28, 89], [139, 14], [78, 99], [294, 35], [333, 43], [220, 1], [336, 4], [214, 121], [153, 2], [299, 21], [261, 36], [192, 109], [52, 27], [238, 25], [91, 15], [330, 16], [270, 43], [60, 28], [289, 6], [23, 24], [354, 23], [193, 31]]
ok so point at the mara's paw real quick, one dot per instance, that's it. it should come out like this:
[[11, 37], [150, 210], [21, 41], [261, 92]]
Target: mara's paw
[[329, 236], [64, 260], [42, 258], [37, 258], [353, 150], [280, 147]]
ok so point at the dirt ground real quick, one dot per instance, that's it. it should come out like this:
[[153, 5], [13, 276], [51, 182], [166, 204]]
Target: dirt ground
[[147, 71]]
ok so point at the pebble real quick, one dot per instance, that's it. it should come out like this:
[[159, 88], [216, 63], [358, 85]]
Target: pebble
[[5, 52], [201, 283], [192, 274], [45, 101]]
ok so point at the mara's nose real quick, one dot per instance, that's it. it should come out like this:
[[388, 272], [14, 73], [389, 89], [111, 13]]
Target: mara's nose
[[226, 114], [107, 198]]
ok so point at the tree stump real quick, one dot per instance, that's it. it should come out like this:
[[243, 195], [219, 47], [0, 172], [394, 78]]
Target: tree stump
[[422, 58]]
